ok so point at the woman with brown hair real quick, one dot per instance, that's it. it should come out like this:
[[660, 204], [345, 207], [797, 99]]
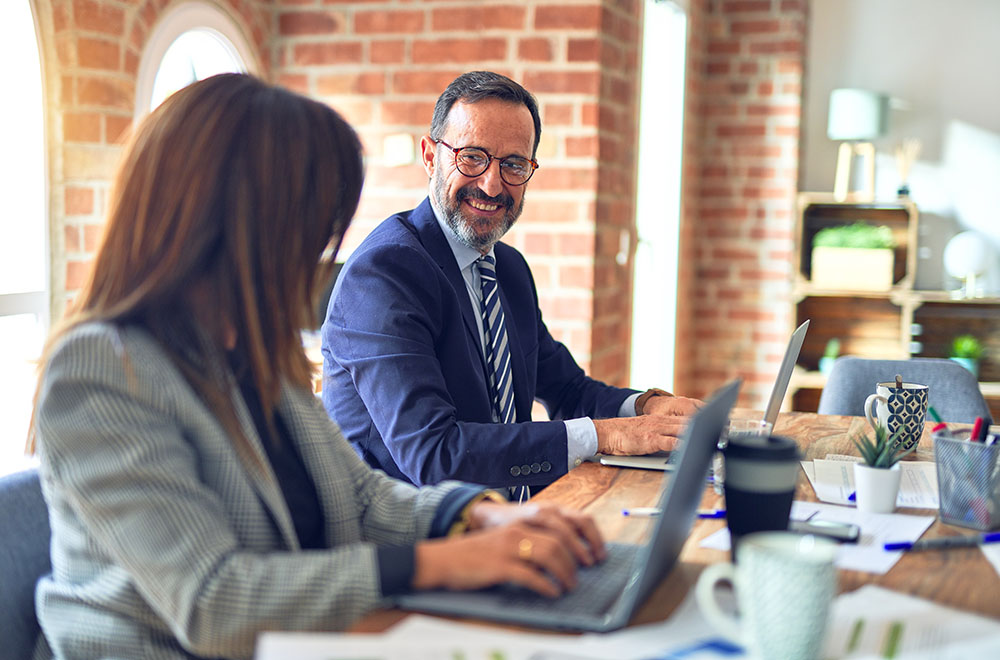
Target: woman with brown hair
[[198, 493]]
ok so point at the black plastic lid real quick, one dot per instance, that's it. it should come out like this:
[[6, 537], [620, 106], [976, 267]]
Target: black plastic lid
[[772, 448]]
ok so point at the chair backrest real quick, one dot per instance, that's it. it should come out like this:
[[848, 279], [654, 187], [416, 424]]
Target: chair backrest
[[953, 389], [24, 557]]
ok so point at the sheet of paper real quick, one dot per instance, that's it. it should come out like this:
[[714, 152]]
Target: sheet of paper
[[992, 553], [686, 634], [876, 529], [873, 622], [424, 638], [832, 480]]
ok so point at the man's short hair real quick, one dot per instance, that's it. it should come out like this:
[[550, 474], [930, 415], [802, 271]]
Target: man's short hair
[[478, 85]]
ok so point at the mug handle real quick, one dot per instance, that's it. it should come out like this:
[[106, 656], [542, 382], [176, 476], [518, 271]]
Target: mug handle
[[868, 409], [704, 593]]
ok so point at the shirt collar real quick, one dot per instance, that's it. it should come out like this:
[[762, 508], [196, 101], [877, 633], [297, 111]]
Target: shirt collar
[[464, 255]]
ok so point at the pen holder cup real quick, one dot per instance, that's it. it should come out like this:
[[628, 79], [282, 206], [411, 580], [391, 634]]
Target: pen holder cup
[[968, 475]]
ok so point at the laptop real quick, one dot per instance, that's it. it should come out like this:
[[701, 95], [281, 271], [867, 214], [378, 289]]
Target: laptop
[[662, 460], [609, 593]]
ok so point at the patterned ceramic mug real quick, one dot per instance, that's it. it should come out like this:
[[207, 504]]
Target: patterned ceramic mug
[[904, 406]]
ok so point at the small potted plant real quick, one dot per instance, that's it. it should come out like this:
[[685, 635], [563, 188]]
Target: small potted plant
[[830, 354], [966, 350], [876, 481], [856, 257]]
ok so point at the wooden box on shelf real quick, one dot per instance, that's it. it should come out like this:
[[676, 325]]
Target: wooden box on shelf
[[818, 211]]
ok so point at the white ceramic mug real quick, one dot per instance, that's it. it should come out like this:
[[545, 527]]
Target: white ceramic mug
[[784, 585], [898, 407]]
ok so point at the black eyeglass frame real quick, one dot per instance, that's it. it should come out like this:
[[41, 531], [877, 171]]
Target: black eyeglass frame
[[489, 161]]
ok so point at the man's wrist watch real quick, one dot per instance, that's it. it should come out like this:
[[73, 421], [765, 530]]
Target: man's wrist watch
[[461, 524], [640, 403]]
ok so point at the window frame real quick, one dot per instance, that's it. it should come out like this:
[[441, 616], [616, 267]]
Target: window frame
[[187, 16]]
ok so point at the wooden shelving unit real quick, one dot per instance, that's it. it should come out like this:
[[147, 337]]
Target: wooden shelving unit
[[895, 324]]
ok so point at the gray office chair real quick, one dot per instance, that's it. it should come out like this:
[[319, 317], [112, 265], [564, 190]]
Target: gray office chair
[[953, 390], [24, 557]]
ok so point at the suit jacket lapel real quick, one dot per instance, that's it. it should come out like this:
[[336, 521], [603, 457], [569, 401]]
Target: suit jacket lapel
[[429, 232], [266, 483]]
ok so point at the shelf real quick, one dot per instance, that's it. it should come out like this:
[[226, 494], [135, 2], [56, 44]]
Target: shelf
[[814, 380], [946, 297], [804, 288], [827, 199], [898, 323]]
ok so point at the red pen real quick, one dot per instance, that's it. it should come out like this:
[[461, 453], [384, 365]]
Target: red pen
[[977, 426]]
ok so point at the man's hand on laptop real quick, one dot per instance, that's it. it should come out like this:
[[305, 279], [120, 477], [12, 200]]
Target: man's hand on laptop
[[536, 546], [631, 436], [671, 405]]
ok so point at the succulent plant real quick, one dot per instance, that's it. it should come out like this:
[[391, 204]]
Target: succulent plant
[[885, 451]]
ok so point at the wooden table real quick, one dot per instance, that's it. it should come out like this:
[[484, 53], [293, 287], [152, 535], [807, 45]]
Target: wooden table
[[961, 578]]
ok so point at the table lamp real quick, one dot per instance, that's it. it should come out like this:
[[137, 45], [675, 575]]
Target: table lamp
[[856, 117], [967, 257]]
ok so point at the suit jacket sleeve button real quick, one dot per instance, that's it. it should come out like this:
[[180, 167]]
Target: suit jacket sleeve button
[[546, 466], [536, 468], [515, 471], [525, 469]]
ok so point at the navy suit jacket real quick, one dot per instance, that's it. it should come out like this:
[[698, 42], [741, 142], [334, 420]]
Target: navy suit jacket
[[404, 374]]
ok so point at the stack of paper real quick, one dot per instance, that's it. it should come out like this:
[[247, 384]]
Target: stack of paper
[[832, 479]]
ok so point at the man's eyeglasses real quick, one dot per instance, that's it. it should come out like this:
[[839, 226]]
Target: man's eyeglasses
[[473, 161]]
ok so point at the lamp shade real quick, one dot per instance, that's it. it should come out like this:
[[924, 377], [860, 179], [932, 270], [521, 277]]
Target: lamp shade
[[857, 114], [967, 253]]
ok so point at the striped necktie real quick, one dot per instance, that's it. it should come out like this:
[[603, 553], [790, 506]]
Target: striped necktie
[[497, 350]]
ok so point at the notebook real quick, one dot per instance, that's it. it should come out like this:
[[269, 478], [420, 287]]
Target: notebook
[[607, 594], [663, 461]]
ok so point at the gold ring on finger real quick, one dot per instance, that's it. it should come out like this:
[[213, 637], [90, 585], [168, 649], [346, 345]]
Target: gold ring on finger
[[524, 548]]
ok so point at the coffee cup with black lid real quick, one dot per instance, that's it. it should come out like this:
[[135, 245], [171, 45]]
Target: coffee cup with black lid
[[761, 472]]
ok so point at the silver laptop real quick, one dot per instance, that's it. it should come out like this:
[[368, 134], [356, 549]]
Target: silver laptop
[[663, 461], [607, 594]]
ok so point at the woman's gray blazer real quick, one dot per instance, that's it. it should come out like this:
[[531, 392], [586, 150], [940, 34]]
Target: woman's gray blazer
[[164, 544]]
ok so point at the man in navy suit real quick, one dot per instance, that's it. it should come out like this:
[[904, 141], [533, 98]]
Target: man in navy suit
[[416, 379]]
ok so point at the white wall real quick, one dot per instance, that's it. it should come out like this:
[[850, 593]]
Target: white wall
[[943, 60]]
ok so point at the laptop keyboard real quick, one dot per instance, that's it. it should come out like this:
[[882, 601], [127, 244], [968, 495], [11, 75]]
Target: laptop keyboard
[[596, 590]]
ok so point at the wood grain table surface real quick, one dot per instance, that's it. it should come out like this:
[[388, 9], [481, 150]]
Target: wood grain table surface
[[961, 578]]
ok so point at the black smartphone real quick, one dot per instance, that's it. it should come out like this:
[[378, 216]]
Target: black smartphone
[[838, 531]]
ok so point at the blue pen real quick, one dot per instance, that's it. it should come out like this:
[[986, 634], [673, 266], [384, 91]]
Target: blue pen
[[642, 512], [711, 513], [945, 542], [652, 512]]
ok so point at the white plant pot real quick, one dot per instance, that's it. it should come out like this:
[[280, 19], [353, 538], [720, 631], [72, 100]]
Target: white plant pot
[[875, 489]]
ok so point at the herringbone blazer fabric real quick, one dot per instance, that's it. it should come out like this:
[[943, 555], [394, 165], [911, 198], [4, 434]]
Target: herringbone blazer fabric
[[164, 545]]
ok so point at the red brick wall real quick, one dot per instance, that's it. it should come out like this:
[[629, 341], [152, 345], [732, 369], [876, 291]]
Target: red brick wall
[[90, 53], [746, 76], [383, 64]]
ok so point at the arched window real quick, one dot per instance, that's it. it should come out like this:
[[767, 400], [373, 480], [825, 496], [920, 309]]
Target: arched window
[[24, 286], [192, 41]]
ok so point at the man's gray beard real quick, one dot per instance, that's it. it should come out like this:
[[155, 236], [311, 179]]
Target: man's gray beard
[[462, 226]]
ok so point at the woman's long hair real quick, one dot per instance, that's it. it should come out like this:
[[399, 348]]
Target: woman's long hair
[[232, 189]]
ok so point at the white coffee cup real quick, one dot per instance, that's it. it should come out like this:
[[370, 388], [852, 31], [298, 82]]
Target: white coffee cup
[[784, 585]]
